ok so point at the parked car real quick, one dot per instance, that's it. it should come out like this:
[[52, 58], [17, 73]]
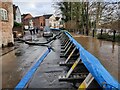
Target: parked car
[[47, 32], [41, 28], [18, 32]]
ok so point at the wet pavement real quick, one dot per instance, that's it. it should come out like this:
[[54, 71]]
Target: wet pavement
[[14, 67], [17, 62], [47, 74], [6, 50], [106, 51]]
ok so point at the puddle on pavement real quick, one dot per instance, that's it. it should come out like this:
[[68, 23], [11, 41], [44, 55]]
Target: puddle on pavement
[[17, 62]]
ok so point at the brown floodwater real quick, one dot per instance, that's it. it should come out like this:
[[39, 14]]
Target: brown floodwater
[[106, 51]]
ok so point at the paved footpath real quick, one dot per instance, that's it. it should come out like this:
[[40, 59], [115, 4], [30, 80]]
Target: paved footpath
[[47, 74], [17, 62]]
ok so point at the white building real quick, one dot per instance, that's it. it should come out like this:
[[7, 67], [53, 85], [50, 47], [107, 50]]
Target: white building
[[55, 22], [52, 21], [17, 14], [31, 26]]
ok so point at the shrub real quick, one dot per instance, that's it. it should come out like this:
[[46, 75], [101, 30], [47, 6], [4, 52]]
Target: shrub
[[103, 36], [17, 24], [117, 38], [108, 37]]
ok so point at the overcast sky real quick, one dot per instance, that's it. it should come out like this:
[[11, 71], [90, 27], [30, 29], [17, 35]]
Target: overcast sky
[[40, 7], [35, 7]]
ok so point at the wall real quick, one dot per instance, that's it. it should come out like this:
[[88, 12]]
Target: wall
[[39, 21], [52, 21], [47, 22], [6, 26], [26, 20], [36, 22], [42, 20]]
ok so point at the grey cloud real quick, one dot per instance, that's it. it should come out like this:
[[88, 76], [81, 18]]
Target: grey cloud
[[35, 8]]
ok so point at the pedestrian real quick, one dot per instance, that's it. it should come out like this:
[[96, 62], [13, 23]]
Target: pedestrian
[[37, 30], [33, 30], [30, 30]]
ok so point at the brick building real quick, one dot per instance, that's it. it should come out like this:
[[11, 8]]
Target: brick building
[[26, 19], [39, 22], [47, 17], [6, 23]]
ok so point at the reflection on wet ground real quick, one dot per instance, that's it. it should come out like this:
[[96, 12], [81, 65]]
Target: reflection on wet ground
[[105, 51], [3, 51], [46, 76], [15, 66], [17, 62]]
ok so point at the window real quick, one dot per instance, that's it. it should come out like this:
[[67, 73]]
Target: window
[[3, 14]]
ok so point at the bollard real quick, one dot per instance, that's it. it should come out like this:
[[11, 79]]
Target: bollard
[[101, 31], [93, 32], [114, 32]]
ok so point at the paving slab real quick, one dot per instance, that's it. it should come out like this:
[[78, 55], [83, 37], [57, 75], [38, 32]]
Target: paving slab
[[47, 74]]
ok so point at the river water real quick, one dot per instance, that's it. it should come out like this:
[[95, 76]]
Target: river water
[[106, 51]]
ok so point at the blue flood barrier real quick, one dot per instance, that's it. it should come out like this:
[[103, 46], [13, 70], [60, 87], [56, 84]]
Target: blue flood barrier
[[101, 75], [31, 72]]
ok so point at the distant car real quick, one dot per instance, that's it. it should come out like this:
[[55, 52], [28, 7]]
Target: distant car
[[47, 32], [41, 28], [18, 32]]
